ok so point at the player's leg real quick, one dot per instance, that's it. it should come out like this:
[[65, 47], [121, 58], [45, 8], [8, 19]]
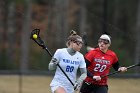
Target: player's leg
[[102, 89], [57, 89], [86, 88], [60, 90]]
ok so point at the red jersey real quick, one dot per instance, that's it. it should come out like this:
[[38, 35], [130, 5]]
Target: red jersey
[[100, 64]]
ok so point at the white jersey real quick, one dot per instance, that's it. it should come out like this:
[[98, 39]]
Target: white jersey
[[70, 65]]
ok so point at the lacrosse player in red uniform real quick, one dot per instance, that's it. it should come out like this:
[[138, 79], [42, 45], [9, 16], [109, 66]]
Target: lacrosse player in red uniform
[[99, 61]]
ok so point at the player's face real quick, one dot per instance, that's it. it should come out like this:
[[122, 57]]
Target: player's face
[[103, 44], [77, 45]]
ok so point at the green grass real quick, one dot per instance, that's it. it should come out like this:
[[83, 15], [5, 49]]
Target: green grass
[[40, 84]]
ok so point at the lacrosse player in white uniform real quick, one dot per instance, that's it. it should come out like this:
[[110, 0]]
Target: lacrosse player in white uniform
[[70, 59]]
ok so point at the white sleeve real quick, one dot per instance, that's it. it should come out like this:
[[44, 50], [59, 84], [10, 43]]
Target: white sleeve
[[57, 54], [83, 75], [51, 65], [79, 81]]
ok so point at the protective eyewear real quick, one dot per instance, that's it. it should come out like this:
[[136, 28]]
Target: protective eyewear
[[78, 42], [103, 40]]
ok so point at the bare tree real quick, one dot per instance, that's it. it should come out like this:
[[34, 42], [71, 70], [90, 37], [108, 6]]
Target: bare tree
[[2, 8], [1, 24], [82, 16], [61, 21], [137, 49], [25, 36], [10, 32]]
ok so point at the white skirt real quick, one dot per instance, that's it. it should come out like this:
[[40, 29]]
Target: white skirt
[[68, 87]]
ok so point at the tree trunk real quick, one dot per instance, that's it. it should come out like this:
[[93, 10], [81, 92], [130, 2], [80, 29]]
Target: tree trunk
[[2, 9], [25, 35], [61, 21], [2, 23], [10, 33], [104, 26], [82, 17], [137, 48], [50, 26], [116, 16]]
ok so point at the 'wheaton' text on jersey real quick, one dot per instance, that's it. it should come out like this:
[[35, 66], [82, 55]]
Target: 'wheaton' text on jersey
[[71, 61], [103, 61]]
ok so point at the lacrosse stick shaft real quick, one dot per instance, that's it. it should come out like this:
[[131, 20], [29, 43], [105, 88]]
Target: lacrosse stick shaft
[[115, 72], [133, 65]]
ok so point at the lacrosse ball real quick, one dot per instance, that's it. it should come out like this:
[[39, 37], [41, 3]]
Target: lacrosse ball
[[35, 36]]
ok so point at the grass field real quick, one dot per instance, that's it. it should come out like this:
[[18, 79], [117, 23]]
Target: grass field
[[40, 84]]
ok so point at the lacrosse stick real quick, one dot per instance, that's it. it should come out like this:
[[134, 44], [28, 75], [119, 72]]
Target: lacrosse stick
[[41, 43], [115, 72]]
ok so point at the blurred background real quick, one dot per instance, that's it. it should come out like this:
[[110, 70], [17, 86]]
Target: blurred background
[[20, 56]]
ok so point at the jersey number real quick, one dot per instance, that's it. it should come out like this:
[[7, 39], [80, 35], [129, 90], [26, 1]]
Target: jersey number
[[69, 68], [100, 67]]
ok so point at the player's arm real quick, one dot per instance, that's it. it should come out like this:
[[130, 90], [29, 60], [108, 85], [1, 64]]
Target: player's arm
[[87, 65], [83, 75], [117, 67], [53, 64], [89, 74], [79, 81], [54, 61]]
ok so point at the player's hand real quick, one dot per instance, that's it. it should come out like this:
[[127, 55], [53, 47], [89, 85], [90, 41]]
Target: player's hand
[[77, 86], [96, 78], [55, 61], [122, 69]]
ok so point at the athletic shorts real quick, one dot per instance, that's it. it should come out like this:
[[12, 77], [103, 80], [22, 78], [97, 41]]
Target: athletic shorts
[[53, 88], [90, 88], [55, 85]]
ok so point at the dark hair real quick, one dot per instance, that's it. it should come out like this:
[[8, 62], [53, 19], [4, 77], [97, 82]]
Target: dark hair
[[73, 37]]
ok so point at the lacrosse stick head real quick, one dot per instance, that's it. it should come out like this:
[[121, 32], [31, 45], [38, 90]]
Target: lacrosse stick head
[[38, 40], [35, 32]]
